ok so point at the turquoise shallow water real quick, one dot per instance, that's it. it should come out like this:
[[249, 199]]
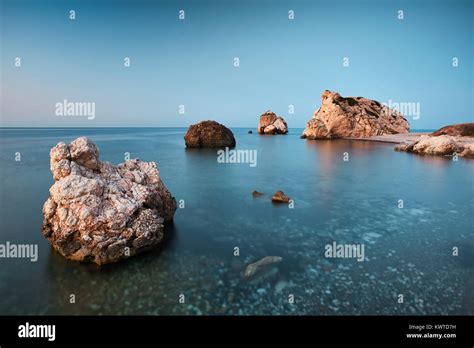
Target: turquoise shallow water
[[408, 251]]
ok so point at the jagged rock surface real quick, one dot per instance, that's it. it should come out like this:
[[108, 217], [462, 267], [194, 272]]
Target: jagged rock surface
[[442, 145], [280, 197], [101, 213], [340, 117], [270, 123]]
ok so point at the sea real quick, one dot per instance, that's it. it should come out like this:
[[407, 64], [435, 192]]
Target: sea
[[413, 215]]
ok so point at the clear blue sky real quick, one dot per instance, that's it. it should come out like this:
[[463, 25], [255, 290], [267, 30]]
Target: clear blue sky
[[190, 62]]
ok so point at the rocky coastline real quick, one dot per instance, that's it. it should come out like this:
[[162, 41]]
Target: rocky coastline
[[369, 120], [102, 213]]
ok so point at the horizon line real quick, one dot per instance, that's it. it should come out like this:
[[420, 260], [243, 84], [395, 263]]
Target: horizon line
[[142, 127]]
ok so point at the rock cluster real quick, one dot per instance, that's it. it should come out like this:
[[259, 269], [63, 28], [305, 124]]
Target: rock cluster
[[442, 145], [340, 117], [101, 213], [209, 134], [270, 123]]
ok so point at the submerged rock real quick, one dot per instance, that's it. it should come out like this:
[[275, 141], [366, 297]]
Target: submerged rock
[[280, 197], [255, 193], [209, 134], [340, 117], [101, 213], [270, 123], [256, 267]]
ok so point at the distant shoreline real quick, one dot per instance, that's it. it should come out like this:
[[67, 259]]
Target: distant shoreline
[[393, 138], [415, 131], [406, 138]]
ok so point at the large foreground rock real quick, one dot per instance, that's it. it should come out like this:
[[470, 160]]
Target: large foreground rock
[[340, 117], [100, 213], [270, 123], [209, 134], [442, 145]]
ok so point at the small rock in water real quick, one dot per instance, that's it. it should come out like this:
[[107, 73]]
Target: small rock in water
[[270, 123], [255, 267], [209, 134], [255, 193], [280, 197], [250, 132]]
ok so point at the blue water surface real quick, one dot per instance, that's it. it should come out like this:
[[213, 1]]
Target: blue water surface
[[408, 211]]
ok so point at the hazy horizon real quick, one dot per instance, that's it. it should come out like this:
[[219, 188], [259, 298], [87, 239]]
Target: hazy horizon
[[190, 62]]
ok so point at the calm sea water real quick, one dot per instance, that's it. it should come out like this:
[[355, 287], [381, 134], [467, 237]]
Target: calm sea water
[[409, 250]]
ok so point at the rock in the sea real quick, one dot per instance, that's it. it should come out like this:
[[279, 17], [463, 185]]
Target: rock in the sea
[[461, 130], [442, 145], [209, 134], [250, 132], [256, 267], [101, 213], [270, 123], [280, 197], [340, 117], [468, 150], [255, 193]]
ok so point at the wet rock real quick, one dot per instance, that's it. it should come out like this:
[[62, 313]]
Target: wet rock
[[258, 266], [101, 213], [280, 197], [255, 193], [209, 134], [270, 123], [342, 117]]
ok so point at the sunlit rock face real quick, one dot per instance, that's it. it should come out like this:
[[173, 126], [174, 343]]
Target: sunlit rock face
[[340, 117], [441, 145], [101, 213], [270, 123]]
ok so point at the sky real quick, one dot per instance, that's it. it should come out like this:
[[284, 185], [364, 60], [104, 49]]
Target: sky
[[190, 62]]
